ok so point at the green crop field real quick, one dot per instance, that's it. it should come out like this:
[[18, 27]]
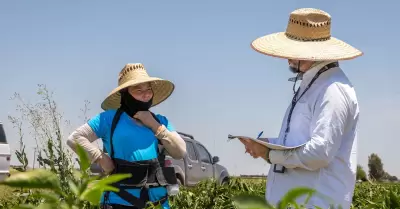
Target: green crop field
[[209, 195], [62, 186]]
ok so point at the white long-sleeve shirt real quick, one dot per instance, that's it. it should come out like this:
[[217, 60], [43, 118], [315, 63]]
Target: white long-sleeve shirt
[[325, 118]]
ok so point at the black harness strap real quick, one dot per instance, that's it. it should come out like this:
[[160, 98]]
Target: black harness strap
[[144, 194], [161, 154], [116, 118]]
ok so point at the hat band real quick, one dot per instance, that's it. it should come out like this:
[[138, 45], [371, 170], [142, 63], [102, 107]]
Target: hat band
[[307, 39]]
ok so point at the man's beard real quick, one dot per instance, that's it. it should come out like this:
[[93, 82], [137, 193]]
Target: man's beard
[[294, 69]]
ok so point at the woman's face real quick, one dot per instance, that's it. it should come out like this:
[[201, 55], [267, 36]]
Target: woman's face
[[141, 92]]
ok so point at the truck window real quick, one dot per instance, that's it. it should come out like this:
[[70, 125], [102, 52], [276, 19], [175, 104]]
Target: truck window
[[190, 151], [204, 155], [3, 139]]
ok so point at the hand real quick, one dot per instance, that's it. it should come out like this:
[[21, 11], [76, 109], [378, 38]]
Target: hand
[[106, 163], [255, 149], [147, 119]]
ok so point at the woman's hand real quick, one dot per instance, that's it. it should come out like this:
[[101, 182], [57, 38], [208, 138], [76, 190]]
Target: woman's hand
[[147, 119], [106, 163]]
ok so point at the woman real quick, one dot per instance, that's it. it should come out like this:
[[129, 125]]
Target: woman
[[132, 134]]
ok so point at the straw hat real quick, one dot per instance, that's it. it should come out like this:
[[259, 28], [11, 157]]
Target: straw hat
[[135, 74], [307, 37]]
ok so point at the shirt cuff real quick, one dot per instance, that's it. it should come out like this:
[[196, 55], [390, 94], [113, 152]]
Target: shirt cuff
[[276, 156], [267, 156]]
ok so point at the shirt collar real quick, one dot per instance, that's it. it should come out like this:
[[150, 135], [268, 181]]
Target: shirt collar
[[309, 74]]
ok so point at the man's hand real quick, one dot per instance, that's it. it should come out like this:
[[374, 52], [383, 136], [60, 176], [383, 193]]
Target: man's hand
[[255, 149], [147, 119]]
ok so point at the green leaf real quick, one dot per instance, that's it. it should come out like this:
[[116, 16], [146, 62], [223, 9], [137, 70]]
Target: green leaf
[[291, 196], [66, 206], [50, 197], [73, 187], [77, 174], [110, 188], [24, 206], [84, 161], [394, 200], [94, 178], [113, 179], [83, 186], [34, 179], [250, 202], [94, 193], [47, 206]]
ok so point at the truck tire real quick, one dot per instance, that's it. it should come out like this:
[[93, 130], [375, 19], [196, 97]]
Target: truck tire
[[225, 181], [179, 181]]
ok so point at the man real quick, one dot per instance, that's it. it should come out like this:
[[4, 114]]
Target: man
[[323, 114]]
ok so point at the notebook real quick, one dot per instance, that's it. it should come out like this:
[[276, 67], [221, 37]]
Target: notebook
[[267, 144]]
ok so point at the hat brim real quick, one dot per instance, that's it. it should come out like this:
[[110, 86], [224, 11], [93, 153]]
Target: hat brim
[[279, 45], [162, 89]]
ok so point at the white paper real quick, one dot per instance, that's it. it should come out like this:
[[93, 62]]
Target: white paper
[[267, 144]]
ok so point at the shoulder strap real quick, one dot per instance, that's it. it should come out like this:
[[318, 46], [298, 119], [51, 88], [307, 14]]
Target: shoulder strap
[[116, 118], [161, 155], [155, 117]]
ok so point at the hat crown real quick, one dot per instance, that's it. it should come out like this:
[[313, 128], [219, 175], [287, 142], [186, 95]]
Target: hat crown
[[132, 71], [309, 24]]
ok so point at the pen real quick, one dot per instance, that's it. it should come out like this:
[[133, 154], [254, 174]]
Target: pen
[[260, 134]]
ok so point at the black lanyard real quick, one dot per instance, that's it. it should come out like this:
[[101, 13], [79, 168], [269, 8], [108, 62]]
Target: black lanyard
[[295, 99]]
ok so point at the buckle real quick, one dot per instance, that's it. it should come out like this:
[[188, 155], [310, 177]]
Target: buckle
[[281, 170]]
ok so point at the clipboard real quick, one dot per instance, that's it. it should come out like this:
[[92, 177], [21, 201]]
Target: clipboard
[[267, 144]]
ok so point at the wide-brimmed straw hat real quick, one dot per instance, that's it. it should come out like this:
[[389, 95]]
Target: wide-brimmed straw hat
[[307, 37], [135, 74]]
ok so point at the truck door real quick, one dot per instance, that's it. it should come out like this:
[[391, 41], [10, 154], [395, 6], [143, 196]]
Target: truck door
[[193, 165], [207, 169]]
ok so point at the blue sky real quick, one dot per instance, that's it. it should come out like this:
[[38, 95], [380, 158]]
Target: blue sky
[[77, 49]]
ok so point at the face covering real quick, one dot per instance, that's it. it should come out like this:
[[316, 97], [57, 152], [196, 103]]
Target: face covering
[[131, 106]]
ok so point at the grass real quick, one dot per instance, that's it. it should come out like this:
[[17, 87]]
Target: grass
[[7, 193], [377, 195], [44, 118], [254, 180]]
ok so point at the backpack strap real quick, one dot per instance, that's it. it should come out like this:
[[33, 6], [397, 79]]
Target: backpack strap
[[161, 154], [116, 118]]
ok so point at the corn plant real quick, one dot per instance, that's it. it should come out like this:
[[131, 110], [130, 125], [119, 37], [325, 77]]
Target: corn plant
[[86, 190], [59, 185]]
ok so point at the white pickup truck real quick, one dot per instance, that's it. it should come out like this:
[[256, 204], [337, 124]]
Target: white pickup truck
[[5, 154]]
